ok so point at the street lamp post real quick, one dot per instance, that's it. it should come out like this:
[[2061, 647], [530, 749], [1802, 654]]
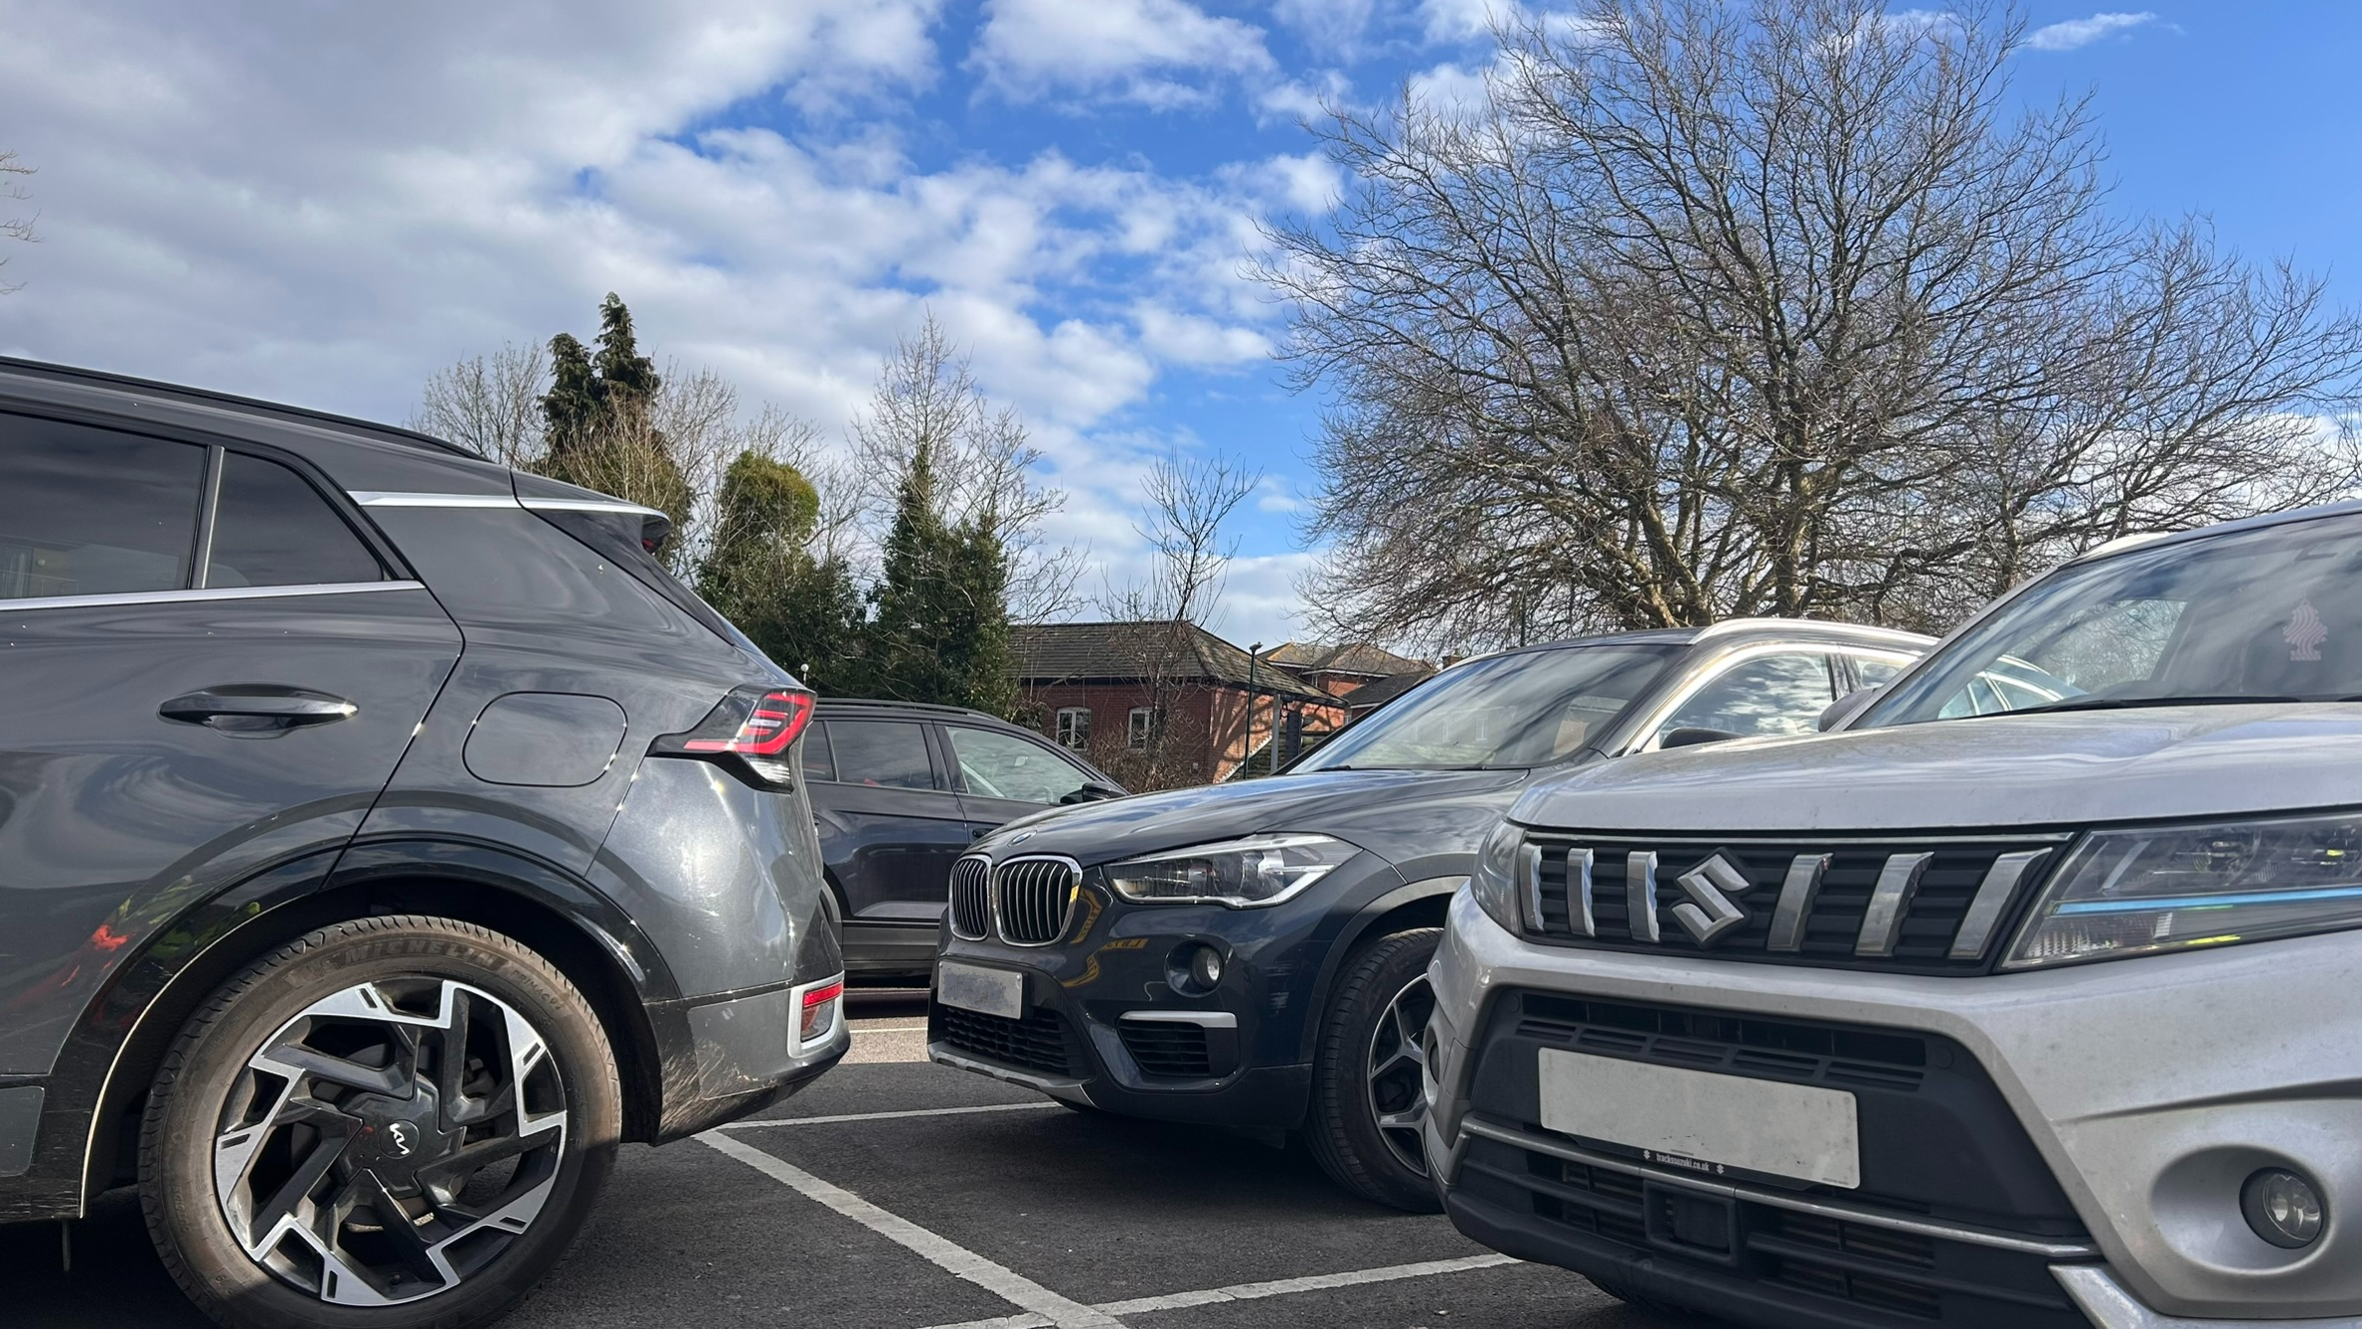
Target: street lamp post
[[1247, 759]]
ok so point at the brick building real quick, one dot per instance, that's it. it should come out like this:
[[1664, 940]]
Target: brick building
[[1160, 705]]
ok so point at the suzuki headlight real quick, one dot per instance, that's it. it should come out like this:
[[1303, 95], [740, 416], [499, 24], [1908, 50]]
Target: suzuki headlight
[[1245, 873], [1493, 884], [2137, 892]]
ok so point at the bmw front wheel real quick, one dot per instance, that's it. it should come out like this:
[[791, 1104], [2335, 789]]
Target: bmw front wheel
[[1369, 1095], [392, 1123]]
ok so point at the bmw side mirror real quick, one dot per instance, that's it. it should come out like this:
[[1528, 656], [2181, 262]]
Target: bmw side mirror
[[1836, 713], [1690, 737], [1093, 791]]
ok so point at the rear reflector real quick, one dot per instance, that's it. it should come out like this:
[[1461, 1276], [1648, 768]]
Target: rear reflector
[[820, 1011]]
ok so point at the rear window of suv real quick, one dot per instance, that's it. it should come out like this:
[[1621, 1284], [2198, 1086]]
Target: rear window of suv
[[92, 512]]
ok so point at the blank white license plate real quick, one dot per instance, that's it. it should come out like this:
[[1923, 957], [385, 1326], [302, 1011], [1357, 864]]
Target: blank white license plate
[[1702, 1122], [971, 987]]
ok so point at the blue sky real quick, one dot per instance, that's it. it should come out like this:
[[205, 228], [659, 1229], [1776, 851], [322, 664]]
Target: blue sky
[[326, 203]]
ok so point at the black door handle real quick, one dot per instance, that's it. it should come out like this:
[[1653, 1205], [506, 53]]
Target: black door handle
[[256, 710]]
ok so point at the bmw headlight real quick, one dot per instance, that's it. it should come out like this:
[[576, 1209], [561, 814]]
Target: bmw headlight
[[1244, 873], [1493, 883], [2141, 891]]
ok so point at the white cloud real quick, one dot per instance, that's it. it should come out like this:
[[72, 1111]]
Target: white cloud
[[1463, 20], [1336, 27], [1449, 89], [2076, 32], [1157, 52]]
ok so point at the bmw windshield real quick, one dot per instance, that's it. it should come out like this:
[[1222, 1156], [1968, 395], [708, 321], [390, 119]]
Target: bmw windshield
[[1524, 709], [2255, 616]]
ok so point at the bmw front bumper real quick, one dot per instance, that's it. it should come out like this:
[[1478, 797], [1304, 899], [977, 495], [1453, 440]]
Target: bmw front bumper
[[2148, 1088]]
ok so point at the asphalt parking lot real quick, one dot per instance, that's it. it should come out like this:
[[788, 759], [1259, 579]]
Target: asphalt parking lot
[[895, 1194]]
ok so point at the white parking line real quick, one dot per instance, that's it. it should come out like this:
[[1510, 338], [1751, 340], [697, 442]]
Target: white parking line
[[1278, 1287], [1010, 1286], [883, 1116]]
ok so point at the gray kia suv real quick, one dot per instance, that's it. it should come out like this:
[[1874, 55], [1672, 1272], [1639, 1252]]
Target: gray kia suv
[[384, 836]]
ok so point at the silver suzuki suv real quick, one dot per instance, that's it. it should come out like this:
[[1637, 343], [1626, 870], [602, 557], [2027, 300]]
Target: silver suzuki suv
[[2030, 996]]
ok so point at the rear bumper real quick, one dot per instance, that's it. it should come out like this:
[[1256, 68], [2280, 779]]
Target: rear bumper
[[742, 1054]]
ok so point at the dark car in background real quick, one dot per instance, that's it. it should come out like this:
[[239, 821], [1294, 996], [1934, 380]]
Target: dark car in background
[[1255, 955], [384, 837], [900, 791]]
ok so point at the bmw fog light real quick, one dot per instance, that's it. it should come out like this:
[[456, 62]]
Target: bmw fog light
[[2282, 1207], [1206, 967]]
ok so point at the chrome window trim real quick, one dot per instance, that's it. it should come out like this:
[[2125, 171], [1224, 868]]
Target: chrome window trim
[[375, 498], [1202, 1019], [202, 595], [2055, 1250], [587, 505], [1697, 681]]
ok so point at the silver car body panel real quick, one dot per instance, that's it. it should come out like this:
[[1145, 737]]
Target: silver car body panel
[[2143, 1083]]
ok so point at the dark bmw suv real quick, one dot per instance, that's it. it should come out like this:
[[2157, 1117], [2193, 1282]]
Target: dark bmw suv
[[384, 836], [901, 790], [1256, 954]]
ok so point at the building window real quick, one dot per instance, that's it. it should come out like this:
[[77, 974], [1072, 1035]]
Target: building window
[[1142, 728], [1074, 727]]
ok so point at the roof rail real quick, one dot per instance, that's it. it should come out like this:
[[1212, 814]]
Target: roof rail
[[1771, 623], [392, 433], [882, 703]]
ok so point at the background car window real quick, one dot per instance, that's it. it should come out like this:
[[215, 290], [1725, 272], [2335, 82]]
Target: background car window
[[1522, 709], [271, 528], [1875, 672], [819, 762], [1005, 766], [1776, 694], [892, 753], [92, 512]]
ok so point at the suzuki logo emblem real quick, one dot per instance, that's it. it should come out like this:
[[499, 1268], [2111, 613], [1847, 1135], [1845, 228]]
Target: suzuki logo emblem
[[1708, 912], [403, 1135]]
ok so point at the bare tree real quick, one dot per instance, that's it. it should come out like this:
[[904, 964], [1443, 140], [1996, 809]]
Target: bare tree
[[12, 188], [927, 401], [1712, 309], [1186, 504], [491, 404]]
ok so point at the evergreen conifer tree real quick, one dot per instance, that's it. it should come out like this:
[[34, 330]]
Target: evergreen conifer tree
[[804, 612]]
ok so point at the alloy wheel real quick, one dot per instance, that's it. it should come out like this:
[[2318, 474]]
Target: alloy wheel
[[1396, 1073], [390, 1141]]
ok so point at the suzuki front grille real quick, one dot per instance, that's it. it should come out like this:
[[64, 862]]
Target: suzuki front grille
[[1932, 906], [1033, 899], [971, 898]]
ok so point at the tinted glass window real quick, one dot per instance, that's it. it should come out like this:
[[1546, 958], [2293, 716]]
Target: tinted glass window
[[1528, 708], [881, 752], [819, 762], [1000, 765], [2264, 615], [1877, 673], [1777, 694], [92, 512], [271, 528]]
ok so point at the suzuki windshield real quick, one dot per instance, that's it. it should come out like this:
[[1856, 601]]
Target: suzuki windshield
[[2255, 616]]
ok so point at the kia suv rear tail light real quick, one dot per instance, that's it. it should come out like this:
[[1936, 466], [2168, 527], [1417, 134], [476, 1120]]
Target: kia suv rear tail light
[[753, 732]]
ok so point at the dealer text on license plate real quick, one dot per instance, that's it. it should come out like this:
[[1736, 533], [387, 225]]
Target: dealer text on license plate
[[1698, 1120]]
